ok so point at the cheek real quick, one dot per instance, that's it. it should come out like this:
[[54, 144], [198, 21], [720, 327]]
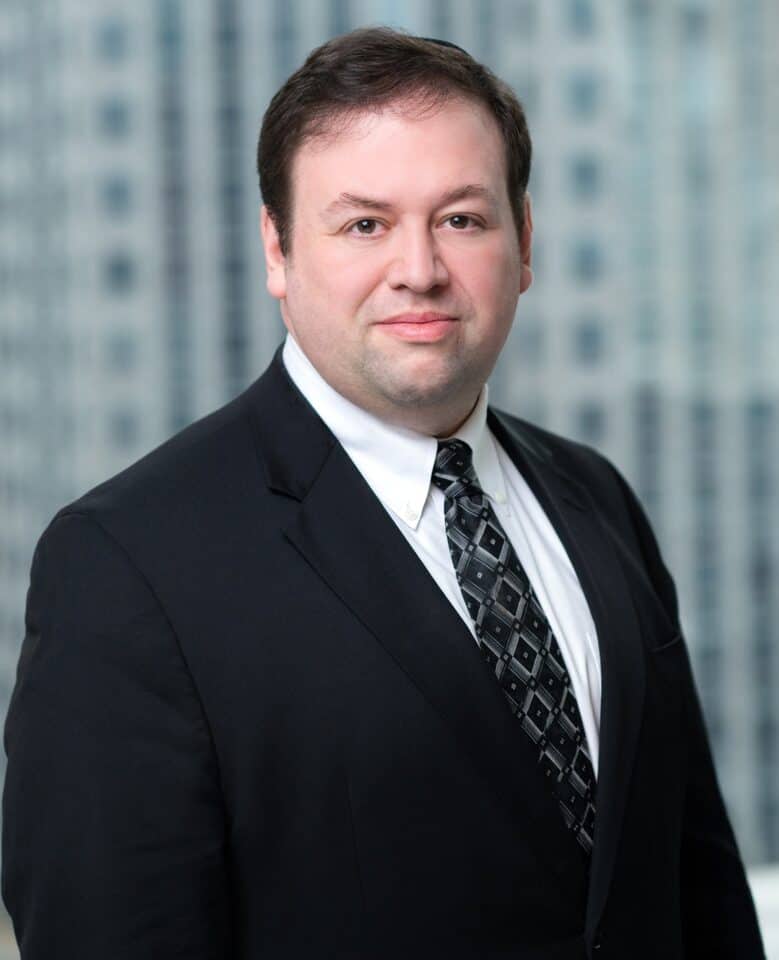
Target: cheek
[[492, 285], [346, 278]]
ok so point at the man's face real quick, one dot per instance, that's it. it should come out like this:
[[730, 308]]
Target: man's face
[[405, 265]]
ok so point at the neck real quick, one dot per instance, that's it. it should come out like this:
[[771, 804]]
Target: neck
[[430, 421]]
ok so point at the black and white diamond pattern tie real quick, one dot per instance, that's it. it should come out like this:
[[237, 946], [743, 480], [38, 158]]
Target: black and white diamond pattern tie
[[516, 638]]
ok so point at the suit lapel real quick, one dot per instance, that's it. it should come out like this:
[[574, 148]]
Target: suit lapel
[[593, 555], [347, 537]]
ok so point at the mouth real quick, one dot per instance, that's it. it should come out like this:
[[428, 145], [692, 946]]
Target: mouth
[[419, 327]]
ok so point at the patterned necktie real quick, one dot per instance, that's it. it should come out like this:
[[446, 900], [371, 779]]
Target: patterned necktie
[[515, 637]]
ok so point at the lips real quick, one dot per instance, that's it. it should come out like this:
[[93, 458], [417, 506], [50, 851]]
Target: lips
[[426, 327], [428, 317]]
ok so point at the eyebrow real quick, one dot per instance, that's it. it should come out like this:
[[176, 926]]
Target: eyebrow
[[349, 201]]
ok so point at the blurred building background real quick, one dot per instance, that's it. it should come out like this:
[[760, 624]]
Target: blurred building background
[[132, 292]]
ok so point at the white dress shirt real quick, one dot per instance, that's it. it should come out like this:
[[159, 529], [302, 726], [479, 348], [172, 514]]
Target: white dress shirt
[[397, 465]]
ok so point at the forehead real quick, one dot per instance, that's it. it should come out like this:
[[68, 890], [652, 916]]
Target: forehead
[[404, 149]]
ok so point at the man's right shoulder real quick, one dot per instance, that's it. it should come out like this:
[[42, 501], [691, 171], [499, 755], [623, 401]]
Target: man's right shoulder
[[172, 471], [185, 488]]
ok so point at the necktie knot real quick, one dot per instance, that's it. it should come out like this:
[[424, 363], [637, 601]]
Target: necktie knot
[[453, 471]]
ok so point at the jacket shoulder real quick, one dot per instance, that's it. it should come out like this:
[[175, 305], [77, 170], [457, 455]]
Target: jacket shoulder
[[582, 462], [185, 466], [604, 486], [178, 498]]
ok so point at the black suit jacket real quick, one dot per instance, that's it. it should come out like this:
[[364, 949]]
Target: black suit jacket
[[248, 724]]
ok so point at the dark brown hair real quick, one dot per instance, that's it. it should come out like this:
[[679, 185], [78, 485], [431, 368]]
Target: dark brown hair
[[368, 69]]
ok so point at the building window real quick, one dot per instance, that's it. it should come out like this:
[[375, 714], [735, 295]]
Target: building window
[[697, 168], [440, 18], [174, 198], [591, 422], [528, 90], [707, 583], [119, 273], [581, 17], [704, 438], [585, 176], [112, 40], [583, 93], [761, 573], [169, 32], [114, 117], [586, 261], [284, 39], [759, 418], [232, 201], [172, 123], [177, 271], [339, 17], [522, 19], [700, 320], [121, 352], [708, 671], [648, 418], [530, 340], [760, 458], [227, 32], [647, 321], [588, 341], [229, 120], [123, 428], [234, 270], [116, 195], [694, 23]]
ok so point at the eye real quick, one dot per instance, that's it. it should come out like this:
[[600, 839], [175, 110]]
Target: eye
[[460, 221], [364, 227]]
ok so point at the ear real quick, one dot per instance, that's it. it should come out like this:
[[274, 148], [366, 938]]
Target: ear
[[275, 262], [526, 247]]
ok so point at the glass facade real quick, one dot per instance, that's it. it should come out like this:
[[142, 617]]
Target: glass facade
[[132, 287]]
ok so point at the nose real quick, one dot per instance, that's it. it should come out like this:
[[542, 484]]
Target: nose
[[417, 264]]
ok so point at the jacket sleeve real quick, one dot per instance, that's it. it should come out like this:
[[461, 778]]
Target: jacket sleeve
[[113, 822], [718, 913]]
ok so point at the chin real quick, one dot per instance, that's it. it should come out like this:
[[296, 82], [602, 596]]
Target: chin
[[423, 378], [425, 392]]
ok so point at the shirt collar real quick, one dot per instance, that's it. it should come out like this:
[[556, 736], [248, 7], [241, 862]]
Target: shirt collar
[[485, 455], [396, 462]]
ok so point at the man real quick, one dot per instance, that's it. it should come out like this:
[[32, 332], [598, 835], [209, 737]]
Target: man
[[357, 666]]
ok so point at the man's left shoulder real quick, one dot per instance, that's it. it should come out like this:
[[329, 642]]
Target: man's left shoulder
[[579, 462], [600, 487]]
